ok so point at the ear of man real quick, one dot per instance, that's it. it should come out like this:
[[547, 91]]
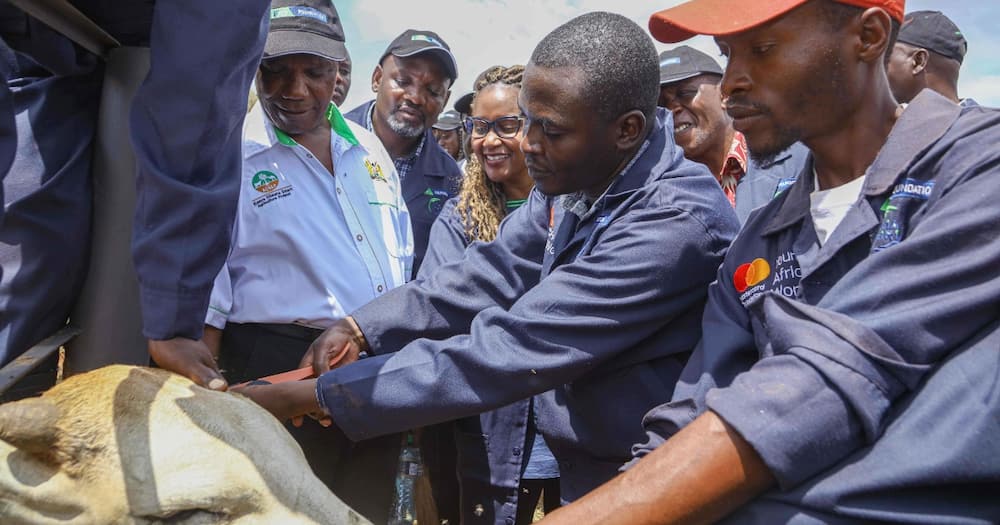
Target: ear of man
[[874, 31], [376, 78], [630, 130], [918, 60]]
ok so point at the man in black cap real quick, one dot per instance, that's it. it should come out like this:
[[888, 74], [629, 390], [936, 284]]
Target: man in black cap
[[689, 88], [448, 132], [412, 83], [928, 54]]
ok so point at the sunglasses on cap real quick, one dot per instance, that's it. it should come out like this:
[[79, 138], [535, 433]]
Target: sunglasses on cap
[[505, 127]]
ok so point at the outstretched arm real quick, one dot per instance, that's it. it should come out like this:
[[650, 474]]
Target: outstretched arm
[[698, 476]]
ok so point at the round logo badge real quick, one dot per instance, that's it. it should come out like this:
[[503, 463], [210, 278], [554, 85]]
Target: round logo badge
[[750, 274], [264, 181]]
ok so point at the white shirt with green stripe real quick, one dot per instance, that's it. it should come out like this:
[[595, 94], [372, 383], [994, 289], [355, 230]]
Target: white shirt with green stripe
[[309, 247]]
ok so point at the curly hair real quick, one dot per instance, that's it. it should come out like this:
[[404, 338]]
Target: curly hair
[[481, 202]]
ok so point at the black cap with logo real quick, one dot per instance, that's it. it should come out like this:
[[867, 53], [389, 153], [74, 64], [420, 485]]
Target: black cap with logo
[[684, 62], [305, 26], [934, 31], [413, 42]]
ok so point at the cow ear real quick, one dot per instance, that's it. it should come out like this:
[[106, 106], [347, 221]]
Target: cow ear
[[30, 425]]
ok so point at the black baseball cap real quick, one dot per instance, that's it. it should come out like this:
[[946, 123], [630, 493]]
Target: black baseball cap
[[448, 121], [933, 31], [305, 26], [684, 62], [413, 42]]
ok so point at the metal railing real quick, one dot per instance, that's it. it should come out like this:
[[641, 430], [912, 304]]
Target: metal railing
[[24, 364]]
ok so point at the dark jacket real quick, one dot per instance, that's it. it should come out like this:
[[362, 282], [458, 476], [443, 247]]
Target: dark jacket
[[185, 123], [492, 446], [762, 182], [600, 314], [865, 371], [45, 186], [434, 179]]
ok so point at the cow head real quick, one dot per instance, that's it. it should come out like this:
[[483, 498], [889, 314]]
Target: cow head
[[135, 445]]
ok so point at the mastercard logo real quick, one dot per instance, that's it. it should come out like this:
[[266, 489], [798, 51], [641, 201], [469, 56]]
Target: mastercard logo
[[750, 274]]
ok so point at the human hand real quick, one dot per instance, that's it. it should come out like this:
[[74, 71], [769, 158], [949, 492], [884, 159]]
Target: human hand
[[189, 358], [337, 346], [286, 401]]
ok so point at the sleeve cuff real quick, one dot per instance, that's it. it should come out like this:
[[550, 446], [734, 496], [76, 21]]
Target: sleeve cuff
[[216, 317], [790, 416]]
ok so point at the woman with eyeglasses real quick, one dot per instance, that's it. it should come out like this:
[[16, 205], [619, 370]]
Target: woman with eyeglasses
[[504, 466]]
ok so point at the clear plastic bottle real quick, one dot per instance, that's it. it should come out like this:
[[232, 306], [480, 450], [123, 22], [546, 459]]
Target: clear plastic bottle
[[404, 509]]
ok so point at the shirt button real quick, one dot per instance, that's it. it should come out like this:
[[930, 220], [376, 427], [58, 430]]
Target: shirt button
[[517, 451], [338, 191], [359, 238], [478, 510], [379, 288], [309, 155]]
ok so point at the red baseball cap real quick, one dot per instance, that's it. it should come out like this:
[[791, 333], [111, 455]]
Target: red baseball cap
[[725, 17]]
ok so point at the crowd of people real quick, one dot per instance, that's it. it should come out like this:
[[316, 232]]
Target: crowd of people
[[622, 286]]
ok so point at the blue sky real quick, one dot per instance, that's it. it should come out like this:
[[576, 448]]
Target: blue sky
[[483, 33]]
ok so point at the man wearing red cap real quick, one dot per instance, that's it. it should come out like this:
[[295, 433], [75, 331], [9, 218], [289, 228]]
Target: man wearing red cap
[[848, 368]]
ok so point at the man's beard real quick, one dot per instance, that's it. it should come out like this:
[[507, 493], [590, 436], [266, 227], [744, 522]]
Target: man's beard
[[781, 140], [402, 128]]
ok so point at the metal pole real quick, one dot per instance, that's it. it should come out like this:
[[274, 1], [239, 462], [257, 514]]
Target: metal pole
[[108, 308]]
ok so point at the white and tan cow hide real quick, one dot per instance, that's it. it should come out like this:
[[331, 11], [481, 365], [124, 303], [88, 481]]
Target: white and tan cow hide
[[127, 445]]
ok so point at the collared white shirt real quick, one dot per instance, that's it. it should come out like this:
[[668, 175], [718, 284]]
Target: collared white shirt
[[309, 247]]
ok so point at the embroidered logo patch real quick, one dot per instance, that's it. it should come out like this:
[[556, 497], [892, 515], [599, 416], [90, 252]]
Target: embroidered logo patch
[[375, 171], [435, 199], [897, 209], [783, 275], [750, 274], [783, 184], [427, 38], [264, 181]]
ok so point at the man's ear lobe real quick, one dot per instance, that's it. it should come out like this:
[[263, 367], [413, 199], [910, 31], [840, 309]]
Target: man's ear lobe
[[631, 129]]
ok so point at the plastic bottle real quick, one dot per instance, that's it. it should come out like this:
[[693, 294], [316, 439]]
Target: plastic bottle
[[404, 509]]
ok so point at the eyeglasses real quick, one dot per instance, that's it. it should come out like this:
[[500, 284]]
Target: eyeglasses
[[505, 127]]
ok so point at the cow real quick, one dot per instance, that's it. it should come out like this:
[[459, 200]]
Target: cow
[[132, 445]]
